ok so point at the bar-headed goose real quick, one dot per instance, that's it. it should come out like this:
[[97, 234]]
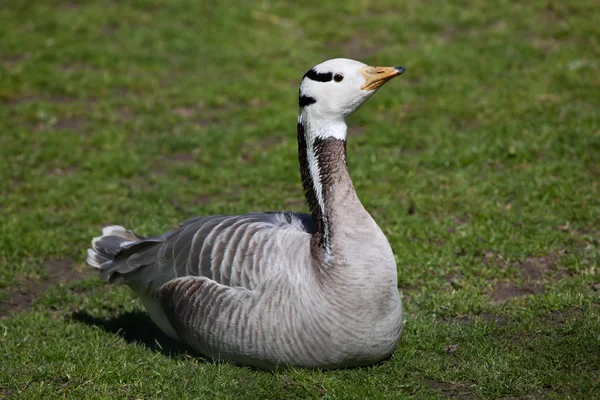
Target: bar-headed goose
[[278, 289]]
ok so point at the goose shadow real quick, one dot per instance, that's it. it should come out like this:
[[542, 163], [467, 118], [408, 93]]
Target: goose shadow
[[137, 327]]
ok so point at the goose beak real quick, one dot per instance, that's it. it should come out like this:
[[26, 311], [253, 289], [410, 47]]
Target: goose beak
[[377, 76]]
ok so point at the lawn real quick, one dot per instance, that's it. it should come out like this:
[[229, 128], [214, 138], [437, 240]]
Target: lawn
[[481, 164]]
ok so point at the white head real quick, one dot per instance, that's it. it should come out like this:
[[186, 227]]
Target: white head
[[335, 88]]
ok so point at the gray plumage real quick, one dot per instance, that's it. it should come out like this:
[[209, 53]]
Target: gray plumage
[[273, 289]]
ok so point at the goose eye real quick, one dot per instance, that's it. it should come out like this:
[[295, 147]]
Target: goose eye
[[338, 77]]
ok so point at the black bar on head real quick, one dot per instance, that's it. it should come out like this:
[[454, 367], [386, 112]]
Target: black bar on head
[[318, 76], [306, 100]]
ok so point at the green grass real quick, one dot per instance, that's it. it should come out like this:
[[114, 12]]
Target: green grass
[[481, 163]]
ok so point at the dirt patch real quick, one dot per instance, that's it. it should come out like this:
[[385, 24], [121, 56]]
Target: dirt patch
[[413, 82], [544, 44], [399, 113], [58, 271], [493, 259], [579, 231], [248, 152], [175, 159], [462, 319], [36, 98], [56, 99], [69, 5], [202, 200], [448, 34], [14, 58], [69, 124], [205, 122], [453, 280], [452, 389], [255, 102], [192, 208], [458, 222], [124, 92], [492, 27], [180, 158], [287, 381], [552, 14], [183, 112], [62, 171], [356, 131], [451, 348], [137, 183], [320, 390], [295, 202], [198, 201], [560, 318], [237, 192], [356, 47], [271, 141], [5, 393], [109, 30], [533, 271], [203, 115], [79, 67], [503, 291], [498, 320], [246, 156], [125, 113], [465, 124]]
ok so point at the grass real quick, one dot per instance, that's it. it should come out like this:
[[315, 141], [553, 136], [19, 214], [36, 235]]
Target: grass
[[481, 164]]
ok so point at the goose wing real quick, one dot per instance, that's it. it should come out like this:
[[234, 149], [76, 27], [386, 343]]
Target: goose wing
[[239, 325], [238, 251]]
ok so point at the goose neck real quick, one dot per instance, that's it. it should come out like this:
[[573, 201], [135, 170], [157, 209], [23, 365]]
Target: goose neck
[[329, 190]]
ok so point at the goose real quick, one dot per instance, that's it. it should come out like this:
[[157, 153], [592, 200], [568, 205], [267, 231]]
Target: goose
[[278, 289]]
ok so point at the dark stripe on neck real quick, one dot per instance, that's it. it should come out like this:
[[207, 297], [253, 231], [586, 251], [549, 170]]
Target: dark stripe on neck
[[318, 76], [307, 181], [304, 101], [330, 155], [331, 158]]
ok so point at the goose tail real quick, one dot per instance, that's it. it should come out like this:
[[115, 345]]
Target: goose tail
[[106, 247]]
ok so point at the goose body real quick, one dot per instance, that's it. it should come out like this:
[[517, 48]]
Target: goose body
[[278, 289]]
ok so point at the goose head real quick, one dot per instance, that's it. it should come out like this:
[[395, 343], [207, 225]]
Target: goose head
[[335, 88]]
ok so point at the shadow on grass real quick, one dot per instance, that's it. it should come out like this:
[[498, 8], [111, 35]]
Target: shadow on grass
[[137, 327]]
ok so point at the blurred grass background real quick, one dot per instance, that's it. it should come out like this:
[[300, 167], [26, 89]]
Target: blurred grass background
[[481, 164]]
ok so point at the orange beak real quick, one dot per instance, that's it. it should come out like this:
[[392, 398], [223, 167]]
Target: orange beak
[[377, 76]]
